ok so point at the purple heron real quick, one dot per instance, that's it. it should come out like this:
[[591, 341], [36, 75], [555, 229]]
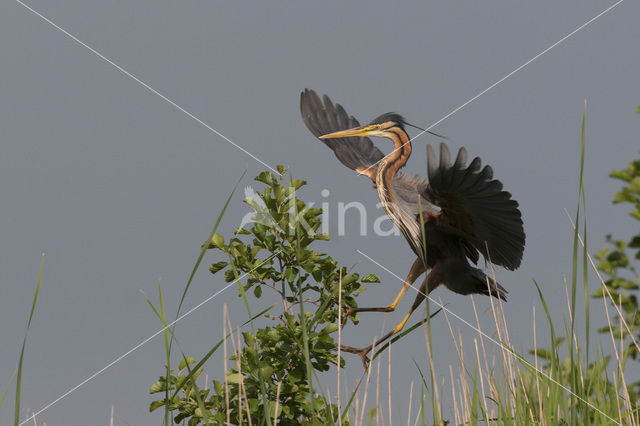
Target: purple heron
[[460, 214]]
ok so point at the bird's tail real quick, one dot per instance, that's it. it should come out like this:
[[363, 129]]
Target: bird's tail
[[460, 277], [487, 285]]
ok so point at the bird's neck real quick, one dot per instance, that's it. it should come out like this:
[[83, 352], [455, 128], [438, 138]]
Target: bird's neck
[[390, 165]]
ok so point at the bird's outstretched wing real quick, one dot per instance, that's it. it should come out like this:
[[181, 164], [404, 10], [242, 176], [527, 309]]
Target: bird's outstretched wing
[[473, 202], [357, 153]]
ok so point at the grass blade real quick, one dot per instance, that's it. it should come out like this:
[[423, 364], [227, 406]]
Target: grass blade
[[16, 413], [585, 274], [205, 246], [353, 394], [6, 388]]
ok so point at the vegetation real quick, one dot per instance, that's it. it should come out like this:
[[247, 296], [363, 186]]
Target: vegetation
[[273, 365], [272, 373], [616, 262], [273, 368]]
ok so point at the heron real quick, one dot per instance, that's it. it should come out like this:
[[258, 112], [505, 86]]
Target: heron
[[460, 214]]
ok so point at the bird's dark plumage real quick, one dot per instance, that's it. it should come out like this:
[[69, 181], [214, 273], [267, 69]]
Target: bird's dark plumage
[[460, 214], [389, 116], [475, 203]]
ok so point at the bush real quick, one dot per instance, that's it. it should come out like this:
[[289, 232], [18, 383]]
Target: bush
[[272, 374]]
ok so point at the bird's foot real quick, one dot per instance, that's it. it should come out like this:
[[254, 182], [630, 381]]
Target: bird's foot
[[361, 352]]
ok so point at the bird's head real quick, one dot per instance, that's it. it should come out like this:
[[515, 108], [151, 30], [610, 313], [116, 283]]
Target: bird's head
[[381, 126]]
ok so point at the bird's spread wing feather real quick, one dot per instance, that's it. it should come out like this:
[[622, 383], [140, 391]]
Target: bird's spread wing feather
[[357, 153], [473, 202]]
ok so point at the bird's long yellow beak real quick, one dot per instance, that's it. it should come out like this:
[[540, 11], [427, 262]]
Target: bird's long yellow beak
[[356, 131]]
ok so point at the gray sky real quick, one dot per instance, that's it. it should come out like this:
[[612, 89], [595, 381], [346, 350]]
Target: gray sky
[[120, 188]]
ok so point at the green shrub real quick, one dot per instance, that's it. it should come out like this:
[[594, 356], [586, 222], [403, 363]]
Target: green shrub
[[276, 365]]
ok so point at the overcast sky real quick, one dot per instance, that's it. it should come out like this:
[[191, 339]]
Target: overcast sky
[[119, 187]]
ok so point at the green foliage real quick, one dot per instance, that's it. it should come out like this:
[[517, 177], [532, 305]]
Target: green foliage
[[617, 265], [186, 402], [616, 262], [276, 365], [274, 358]]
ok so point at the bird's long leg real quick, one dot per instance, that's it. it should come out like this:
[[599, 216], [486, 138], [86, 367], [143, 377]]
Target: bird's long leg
[[416, 270], [430, 282]]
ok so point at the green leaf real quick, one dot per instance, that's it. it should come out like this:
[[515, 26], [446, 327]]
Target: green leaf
[[233, 378], [217, 241], [297, 183], [158, 386], [621, 174], [347, 279], [542, 353], [249, 339], [330, 328], [215, 267], [281, 169], [266, 372], [267, 177], [371, 278], [599, 292], [290, 274], [187, 360], [229, 275], [625, 197], [155, 405], [602, 253], [634, 185], [257, 291], [628, 284]]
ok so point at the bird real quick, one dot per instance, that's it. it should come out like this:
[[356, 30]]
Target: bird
[[449, 221]]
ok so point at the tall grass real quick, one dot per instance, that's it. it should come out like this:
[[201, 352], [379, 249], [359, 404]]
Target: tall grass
[[486, 386]]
